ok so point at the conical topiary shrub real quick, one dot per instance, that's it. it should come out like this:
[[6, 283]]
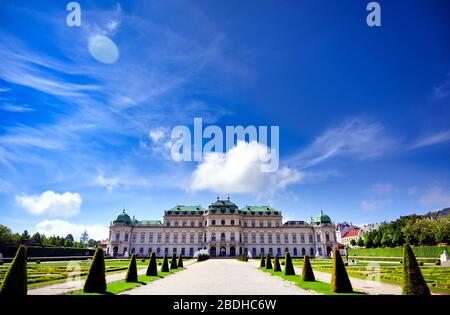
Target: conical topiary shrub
[[277, 266], [339, 278], [152, 269], [307, 272], [288, 267], [173, 262], [132, 275], [263, 262], [412, 282], [180, 262], [165, 264], [15, 282], [96, 281], [268, 262]]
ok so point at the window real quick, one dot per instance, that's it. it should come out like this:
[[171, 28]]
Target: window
[[253, 224], [167, 237], [213, 222], [261, 223], [133, 250], [310, 238], [200, 236], [183, 251], [261, 237], [270, 238], [295, 252], [200, 223], [232, 222], [149, 251], [278, 238], [168, 223], [222, 222], [175, 237], [303, 251], [192, 223], [183, 238], [254, 238], [176, 223], [327, 237], [159, 237], [286, 238], [184, 223], [133, 238], [126, 237], [277, 224], [245, 237], [232, 237], [118, 237], [222, 237], [286, 250], [191, 238], [279, 251], [143, 237], [174, 250], [141, 251], [245, 223], [158, 250], [271, 251], [294, 238], [166, 251], [320, 251], [191, 251], [318, 238], [150, 238], [302, 238], [125, 249], [262, 251], [311, 251], [253, 252], [213, 237], [269, 224]]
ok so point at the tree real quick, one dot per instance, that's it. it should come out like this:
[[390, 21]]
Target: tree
[[173, 262], [412, 282], [93, 243], [307, 272], [277, 266], [180, 262], [262, 264], [132, 275], [96, 281], [268, 262], [288, 267], [152, 269], [25, 237], [15, 282], [165, 264], [353, 242], [360, 242], [368, 240], [36, 238], [339, 278]]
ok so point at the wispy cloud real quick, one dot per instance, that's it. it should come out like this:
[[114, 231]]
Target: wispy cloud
[[16, 108], [432, 139], [443, 90], [436, 195]]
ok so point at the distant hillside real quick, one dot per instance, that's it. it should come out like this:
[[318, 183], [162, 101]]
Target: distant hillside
[[438, 213]]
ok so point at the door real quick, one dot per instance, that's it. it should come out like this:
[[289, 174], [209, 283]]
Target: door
[[232, 251], [212, 252]]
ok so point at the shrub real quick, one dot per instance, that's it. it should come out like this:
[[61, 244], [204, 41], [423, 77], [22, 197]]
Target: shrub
[[307, 272], [15, 281], [132, 275], [437, 263], [96, 281], [242, 257], [202, 257], [152, 270], [268, 262], [339, 278], [173, 262], [180, 262], [288, 267], [413, 282], [165, 264], [262, 263], [277, 266]]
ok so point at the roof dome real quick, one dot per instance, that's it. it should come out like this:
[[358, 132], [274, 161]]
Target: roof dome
[[322, 218], [134, 221], [123, 218]]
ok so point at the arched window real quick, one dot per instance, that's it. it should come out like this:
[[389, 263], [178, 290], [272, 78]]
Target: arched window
[[133, 250], [320, 251], [295, 252], [213, 236], [311, 252], [303, 251], [222, 236], [232, 237]]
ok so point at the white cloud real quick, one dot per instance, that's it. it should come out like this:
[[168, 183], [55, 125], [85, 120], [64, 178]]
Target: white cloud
[[436, 195], [436, 138], [157, 134], [372, 204], [62, 228], [112, 182], [382, 189], [51, 203], [16, 108], [239, 171]]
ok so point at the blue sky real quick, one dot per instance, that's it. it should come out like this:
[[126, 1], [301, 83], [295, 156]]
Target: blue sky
[[363, 112]]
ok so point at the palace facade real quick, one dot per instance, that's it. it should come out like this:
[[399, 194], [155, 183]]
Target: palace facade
[[224, 230]]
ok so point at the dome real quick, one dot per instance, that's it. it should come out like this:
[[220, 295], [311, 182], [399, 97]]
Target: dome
[[134, 221], [123, 218], [322, 218]]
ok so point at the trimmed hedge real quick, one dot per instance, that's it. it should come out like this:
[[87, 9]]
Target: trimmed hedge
[[268, 262], [152, 269], [165, 264], [132, 275], [96, 281], [180, 262], [262, 263], [15, 282], [173, 262], [288, 267], [340, 281], [419, 251], [9, 251], [412, 282], [307, 272], [277, 266]]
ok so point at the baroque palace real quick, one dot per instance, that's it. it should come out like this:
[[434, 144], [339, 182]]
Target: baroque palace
[[224, 230]]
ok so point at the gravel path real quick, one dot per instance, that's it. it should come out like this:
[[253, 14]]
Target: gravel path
[[63, 287], [220, 277]]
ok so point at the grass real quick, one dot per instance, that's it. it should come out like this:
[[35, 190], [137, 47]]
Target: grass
[[113, 288], [316, 286]]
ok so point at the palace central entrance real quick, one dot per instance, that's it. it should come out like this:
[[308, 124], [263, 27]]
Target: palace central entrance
[[223, 251]]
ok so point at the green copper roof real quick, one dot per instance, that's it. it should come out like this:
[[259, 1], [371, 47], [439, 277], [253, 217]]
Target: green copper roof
[[123, 218], [150, 222], [258, 208], [322, 218], [187, 208]]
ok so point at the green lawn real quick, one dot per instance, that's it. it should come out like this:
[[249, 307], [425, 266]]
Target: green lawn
[[121, 286], [50, 272], [317, 286]]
